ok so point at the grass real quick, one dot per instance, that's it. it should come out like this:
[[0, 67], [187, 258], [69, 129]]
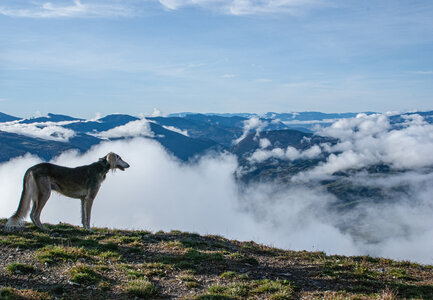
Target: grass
[[108, 264], [142, 288], [229, 275], [53, 254], [84, 275], [18, 268], [271, 289], [9, 293], [194, 259]]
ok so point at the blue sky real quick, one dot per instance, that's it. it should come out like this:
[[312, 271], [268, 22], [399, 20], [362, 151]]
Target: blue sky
[[130, 56]]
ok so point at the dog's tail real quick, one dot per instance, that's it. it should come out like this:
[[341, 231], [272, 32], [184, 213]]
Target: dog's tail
[[29, 189]]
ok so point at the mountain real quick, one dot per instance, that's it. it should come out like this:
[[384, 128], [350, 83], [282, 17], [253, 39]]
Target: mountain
[[13, 145], [7, 118], [200, 128], [308, 116], [188, 135], [50, 118], [102, 124], [67, 262], [182, 146]]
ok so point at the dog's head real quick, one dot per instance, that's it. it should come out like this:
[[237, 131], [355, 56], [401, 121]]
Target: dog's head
[[116, 162]]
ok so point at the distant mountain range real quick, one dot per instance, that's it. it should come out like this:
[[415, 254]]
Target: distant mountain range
[[190, 135], [185, 135]]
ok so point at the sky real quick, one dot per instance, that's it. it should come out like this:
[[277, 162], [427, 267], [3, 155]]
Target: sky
[[82, 57]]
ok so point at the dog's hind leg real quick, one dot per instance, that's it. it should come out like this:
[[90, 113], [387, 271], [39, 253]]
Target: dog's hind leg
[[43, 193], [29, 190]]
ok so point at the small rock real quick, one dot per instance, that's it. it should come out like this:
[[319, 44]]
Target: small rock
[[73, 283]]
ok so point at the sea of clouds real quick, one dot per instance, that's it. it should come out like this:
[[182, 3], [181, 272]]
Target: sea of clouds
[[159, 192]]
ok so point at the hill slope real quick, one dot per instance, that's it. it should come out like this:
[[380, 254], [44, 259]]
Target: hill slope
[[67, 262]]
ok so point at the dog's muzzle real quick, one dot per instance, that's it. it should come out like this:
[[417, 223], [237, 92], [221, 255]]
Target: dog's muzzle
[[123, 167]]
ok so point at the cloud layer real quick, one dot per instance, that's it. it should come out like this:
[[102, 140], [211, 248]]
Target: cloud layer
[[245, 7], [160, 193], [67, 9], [98, 9], [47, 130]]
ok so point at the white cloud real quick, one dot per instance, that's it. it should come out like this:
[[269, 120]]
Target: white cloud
[[246, 7], [47, 130], [73, 8], [131, 129], [228, 76], [253, 123], [422, 72], [265, 143], [290, 153], [172, 128], [160, 193], [263, 80], [157, 113], [368, 140]]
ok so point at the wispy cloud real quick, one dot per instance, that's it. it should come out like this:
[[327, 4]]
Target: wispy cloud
[[422, 72], [263, 80], [228, 76], [73, 8], [245, 7]]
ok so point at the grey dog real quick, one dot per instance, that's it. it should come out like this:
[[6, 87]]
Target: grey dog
[[80, 182]]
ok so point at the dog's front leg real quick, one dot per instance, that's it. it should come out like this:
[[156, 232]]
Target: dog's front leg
[[83, 211], [86, 209], [86, 206]]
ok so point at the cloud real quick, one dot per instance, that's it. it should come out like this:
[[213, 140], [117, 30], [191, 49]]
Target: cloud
[[67, 9], [263, 80], [130, 129], [246, 7], [264, 143], [172, 128], [158, 192], [253, 123], [422, 72], [228, 76], [290, 153], [47, 130], [369, 140], [157, 113]]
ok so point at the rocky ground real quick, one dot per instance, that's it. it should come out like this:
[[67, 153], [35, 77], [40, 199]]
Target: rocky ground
[[66, 262]]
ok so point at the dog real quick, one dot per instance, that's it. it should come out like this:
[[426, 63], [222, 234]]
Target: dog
[[80, 182]]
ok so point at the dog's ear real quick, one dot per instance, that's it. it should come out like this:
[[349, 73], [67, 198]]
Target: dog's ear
[[111, 159]]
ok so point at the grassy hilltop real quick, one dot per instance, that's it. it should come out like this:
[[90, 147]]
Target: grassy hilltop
[[68, 262]]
